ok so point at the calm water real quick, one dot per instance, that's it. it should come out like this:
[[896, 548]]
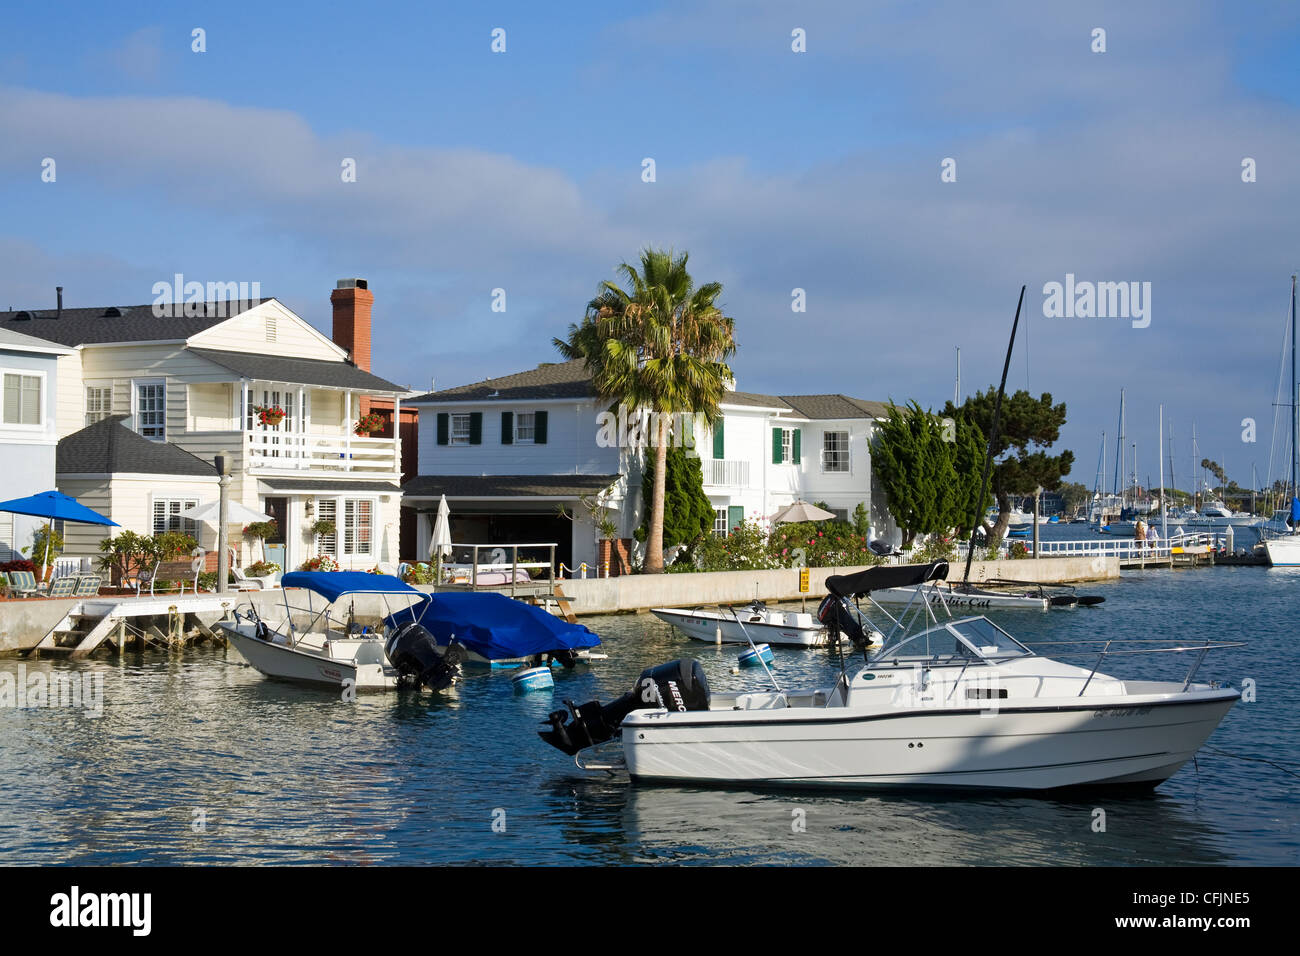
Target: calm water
[[287, 775]]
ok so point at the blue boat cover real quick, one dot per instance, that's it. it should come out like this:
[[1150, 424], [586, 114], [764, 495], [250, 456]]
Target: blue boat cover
[[497, 627], [1295, 510], [334, 584]]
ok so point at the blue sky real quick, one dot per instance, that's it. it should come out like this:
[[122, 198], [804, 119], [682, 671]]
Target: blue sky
[[776, 170]]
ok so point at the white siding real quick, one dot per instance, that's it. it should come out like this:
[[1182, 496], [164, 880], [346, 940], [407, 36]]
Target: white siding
[[294, 337]]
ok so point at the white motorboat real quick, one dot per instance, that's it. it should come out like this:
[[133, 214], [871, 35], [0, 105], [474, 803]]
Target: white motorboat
[[737, 625], [956, 595], [341, 652], [960, 704]]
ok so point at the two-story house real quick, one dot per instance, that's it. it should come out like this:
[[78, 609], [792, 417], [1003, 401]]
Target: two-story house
[[767, 451], [28, 433], [188, 384], [512, 453], [520, 458]]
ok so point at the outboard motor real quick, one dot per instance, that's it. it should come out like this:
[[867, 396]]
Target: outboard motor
[[413, 651], [678, 685], [837, 614]]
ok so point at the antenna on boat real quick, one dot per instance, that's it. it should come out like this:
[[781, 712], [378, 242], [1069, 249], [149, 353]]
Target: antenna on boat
[[993, 437]]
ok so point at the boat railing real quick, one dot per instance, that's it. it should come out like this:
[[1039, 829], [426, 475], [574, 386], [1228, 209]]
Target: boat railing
[[1107, 650]]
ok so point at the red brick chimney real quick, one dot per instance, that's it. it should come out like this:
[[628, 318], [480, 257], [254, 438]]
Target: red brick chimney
[[352, 300]]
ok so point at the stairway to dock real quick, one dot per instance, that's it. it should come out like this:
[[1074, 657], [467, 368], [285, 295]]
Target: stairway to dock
[[90, 625]]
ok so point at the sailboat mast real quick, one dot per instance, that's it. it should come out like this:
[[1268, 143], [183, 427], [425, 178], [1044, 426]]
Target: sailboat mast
[[1295, 411], [1119, 449], [1164, 520]]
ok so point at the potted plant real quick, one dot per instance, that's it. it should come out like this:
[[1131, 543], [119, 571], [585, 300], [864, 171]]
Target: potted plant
[[269, 415], [368, 424], [47, 544], [261, 531]]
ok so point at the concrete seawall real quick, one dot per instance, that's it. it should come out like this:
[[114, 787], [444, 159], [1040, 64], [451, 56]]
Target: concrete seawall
[[24, 623], [641, 592]]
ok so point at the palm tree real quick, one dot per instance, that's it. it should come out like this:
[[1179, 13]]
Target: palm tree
[[659, 344]]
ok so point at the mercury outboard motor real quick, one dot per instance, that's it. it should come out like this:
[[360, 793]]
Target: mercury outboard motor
[[678, 685], [413, 651], [837, 614]]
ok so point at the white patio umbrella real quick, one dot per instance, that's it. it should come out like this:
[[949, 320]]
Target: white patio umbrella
[[440, 545], [801, 511], [235, 513]]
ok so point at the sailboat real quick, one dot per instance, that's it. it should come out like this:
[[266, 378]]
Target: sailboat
[[1284, 551]]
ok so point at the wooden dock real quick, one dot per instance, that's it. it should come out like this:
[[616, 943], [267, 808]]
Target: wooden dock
[[169, 621]]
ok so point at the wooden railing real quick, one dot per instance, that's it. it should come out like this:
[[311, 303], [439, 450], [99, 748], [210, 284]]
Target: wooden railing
[[726, 471], [295, 451]]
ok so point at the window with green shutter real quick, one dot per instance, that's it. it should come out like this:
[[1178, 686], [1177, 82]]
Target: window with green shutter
[[507, 428], [442, 428], [735, 517], [794, 445], [476, 428], [777, 434], [539, 429], [719, 439]]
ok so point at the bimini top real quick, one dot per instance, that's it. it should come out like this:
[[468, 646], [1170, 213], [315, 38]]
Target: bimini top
[[885, 576], [497, 627], [332, 585]]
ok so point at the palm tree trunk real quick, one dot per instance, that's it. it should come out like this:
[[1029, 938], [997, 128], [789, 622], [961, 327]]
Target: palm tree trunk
[[654, 555]]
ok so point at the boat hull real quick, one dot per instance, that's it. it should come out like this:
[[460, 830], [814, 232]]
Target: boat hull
[[1283, 552], [704, 625], [1043, 747], [280, 662], [976, 598]]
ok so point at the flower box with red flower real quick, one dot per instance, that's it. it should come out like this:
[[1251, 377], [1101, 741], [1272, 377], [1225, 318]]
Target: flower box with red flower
[[369, 424]]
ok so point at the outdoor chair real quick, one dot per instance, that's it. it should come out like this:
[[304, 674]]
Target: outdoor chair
[[23, 583], [65, 586], [87, 585]]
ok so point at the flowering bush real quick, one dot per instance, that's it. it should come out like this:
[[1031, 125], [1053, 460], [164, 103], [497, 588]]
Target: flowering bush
[[321, 563], [369, 424], [261, 569], [825, 544]]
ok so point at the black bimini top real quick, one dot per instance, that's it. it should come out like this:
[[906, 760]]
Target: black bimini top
[[885, 576]]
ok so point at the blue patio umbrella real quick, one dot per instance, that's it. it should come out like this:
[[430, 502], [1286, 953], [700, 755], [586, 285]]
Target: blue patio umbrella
[[55, 507]]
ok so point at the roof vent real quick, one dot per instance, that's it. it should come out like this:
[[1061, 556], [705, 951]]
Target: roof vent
[[112, 312], [24, 316], [352, 284]]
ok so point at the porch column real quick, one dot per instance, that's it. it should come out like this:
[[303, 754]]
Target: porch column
[[347, 431], [301, 428], [397, 435]]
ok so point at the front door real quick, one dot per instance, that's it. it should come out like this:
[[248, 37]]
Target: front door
[[278, 509]]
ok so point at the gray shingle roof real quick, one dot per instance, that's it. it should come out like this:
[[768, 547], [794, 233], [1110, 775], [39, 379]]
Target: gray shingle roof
[[835, 406], [299, 371], [754, 399], [549, 380], [109, 447], [137, 323], [506, 486]]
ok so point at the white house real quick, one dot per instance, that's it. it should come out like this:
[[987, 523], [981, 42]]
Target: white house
[[28, 429], [190, 384], [509, 453]]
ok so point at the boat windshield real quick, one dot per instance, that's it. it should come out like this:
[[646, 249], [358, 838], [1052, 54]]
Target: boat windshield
[[971, 638]]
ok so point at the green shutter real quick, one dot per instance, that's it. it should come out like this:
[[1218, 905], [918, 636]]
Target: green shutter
[[794, 445], [735, 517], [539, 428], [507, 428], [719, 440], [776, 446], [476, 428], [442, 428]]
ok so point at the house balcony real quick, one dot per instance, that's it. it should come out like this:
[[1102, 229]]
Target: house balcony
[[283, 452], [725, 472]]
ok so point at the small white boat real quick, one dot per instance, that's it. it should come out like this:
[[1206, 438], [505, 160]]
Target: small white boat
[[962, 704], [738, 625], [966, 597], [337, 651]]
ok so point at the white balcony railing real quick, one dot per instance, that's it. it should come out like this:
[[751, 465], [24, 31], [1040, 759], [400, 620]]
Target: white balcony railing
[[295, 451], [725, 471]]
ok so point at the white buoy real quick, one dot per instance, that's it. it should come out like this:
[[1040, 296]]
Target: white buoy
[[717, 634], [753, 655]]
